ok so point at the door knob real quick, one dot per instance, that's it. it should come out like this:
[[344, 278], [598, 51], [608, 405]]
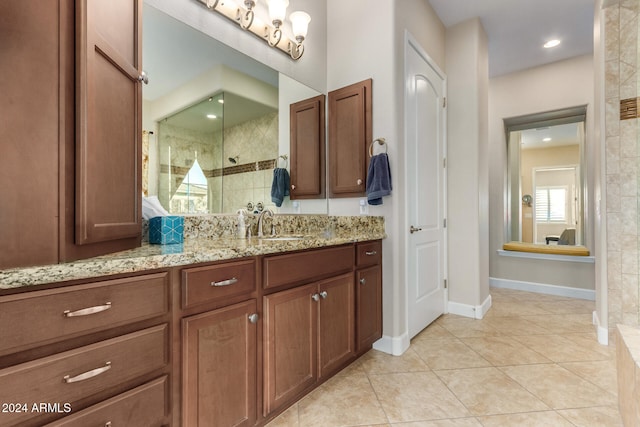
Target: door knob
[[413, 229]]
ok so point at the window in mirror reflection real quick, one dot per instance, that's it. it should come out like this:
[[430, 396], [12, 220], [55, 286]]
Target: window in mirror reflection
[[546, 177]]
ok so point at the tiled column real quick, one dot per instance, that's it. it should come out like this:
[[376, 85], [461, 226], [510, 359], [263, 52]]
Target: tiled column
[[622, 162]]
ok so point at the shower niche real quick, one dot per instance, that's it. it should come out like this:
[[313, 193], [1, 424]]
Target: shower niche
[[217, 155]]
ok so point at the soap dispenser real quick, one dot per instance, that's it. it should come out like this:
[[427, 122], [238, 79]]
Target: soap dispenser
[[242, 228]]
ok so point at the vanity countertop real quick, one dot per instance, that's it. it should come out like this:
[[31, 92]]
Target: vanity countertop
[[149, 257]]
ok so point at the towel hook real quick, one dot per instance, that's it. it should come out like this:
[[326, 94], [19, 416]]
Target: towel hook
[[286, 160], [380, 141]]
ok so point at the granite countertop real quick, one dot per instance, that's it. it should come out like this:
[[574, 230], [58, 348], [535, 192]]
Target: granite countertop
[[149, 257]]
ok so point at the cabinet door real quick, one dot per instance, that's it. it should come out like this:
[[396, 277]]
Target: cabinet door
[[290, 339], [108, 120], [369, 306], [307, 151], [350, 130], [336, 318], [219, 367]]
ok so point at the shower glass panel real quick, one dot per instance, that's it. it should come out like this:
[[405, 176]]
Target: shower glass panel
[[191, 147]]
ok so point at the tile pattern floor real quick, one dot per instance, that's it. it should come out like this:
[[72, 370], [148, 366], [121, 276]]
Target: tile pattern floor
[[532, 361]]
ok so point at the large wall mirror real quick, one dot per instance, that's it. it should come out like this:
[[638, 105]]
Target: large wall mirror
[[216, 122], [547, 177]]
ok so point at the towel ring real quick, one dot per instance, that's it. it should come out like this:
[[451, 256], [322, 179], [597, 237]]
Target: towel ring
[[380, 141], [286, 160]]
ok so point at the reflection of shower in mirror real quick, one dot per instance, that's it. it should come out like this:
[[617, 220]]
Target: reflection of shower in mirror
[[235, 159]]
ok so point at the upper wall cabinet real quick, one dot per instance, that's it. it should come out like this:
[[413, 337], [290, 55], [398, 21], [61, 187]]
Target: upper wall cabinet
[[350, 130], [307, 121], [108, 120]]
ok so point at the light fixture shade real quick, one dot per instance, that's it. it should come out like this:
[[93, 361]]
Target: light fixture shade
[[299, 24], [277, 9]]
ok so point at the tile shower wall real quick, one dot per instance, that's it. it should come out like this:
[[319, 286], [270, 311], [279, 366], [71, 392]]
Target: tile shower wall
[[252, 142], [622, 163]]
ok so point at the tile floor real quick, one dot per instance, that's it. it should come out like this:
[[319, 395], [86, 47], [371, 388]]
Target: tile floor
[[532, 361]]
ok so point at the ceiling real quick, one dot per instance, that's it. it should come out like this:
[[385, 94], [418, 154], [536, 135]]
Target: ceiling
[[559, 135], [517, 29]]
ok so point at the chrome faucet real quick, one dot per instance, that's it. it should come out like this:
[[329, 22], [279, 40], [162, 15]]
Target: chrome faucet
[[267, 212]]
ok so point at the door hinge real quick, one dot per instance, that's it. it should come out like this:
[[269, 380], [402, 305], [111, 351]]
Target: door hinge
[[445, 223], [444, 102], [445, 283]]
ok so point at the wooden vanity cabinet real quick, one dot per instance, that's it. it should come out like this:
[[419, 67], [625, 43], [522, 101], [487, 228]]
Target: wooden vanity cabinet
[[219, 344], [350, 132], [220, 367], [307, 148], [368, 294], [309, 330], [90, 351]]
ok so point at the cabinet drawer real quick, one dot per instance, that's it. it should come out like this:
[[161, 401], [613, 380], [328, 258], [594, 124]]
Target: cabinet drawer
[[209, 283], [144, 406], [369, 253], [36, 318], [77, 374], [305, 266]]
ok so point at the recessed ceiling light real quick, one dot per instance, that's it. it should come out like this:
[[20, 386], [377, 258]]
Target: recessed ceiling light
[[212, 116], [546, 139], [552, 43]]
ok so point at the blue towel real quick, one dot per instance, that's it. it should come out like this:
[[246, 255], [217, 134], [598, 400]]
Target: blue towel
[[280, 186], [378, 179]]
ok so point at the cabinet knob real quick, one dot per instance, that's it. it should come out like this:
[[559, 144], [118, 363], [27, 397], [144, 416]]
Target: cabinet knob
[[143, 78], [359, 181], [253, 318], [293, 187], [315, 297], [363, 281], [324, 294]]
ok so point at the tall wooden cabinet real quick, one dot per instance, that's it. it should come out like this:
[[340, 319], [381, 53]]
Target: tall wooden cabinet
[[350, 130], [61, 200], [307, 148], [108, 120]]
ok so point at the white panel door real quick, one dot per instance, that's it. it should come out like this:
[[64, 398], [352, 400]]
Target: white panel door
[[425, 207]]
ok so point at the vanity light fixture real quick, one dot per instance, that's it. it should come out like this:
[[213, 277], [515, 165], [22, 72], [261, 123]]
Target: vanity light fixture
[[547, 139], [551, 43], [272, 33]]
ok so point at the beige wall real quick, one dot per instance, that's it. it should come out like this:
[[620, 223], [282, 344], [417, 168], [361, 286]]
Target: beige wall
[[467, 167], [558, 85], [621, 164]]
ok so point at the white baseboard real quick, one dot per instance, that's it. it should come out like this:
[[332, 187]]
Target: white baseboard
[[393, 345], [603, 333], [468, 310], [541, 288]]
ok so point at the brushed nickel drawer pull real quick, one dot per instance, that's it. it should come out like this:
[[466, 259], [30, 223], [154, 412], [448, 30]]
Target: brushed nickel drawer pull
[[89, 374], [371, 253], [87, 311], [225, 282]]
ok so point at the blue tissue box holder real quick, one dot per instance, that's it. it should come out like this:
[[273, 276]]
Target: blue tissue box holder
[[166, 230]]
